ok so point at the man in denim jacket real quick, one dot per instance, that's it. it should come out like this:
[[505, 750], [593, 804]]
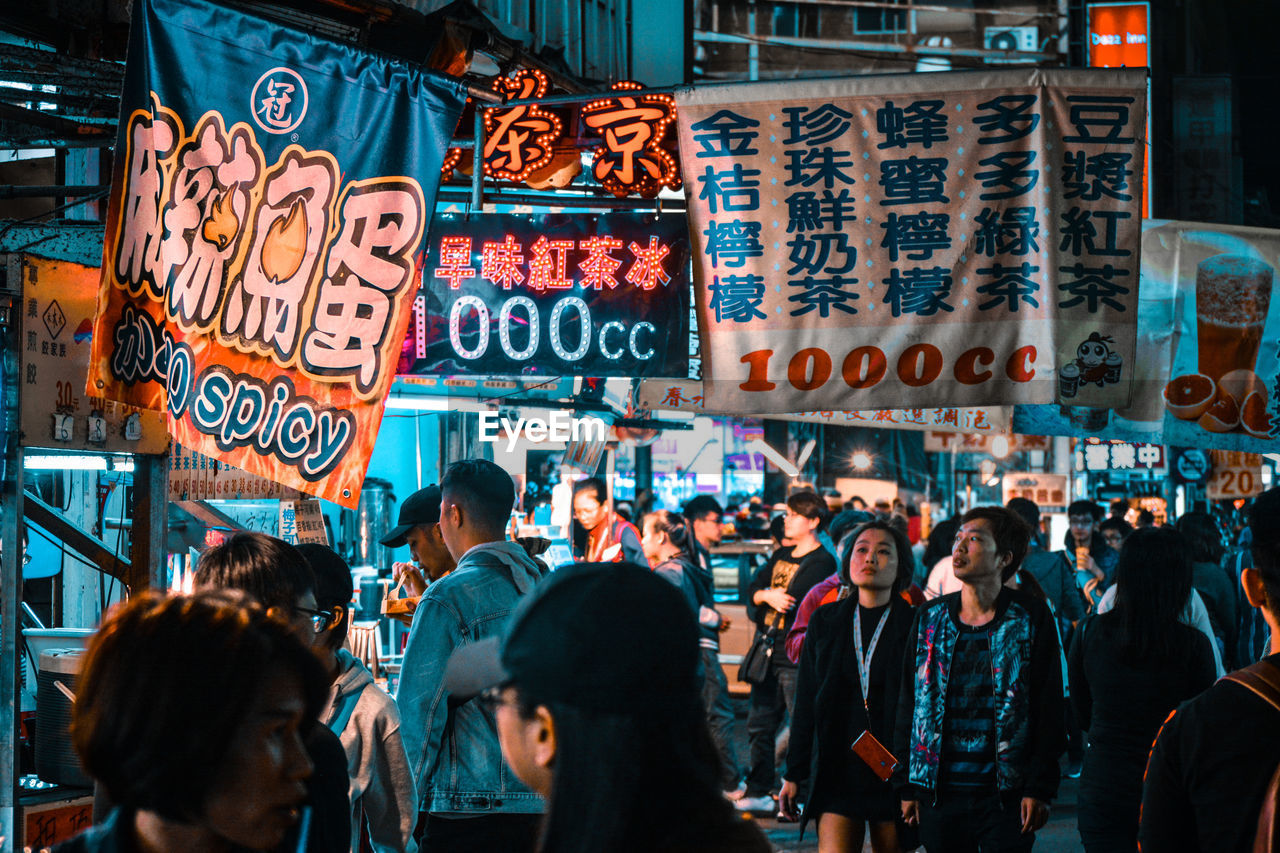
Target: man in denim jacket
[[470, 799]]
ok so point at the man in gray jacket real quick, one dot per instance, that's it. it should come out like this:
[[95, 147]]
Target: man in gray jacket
[[470, 799]]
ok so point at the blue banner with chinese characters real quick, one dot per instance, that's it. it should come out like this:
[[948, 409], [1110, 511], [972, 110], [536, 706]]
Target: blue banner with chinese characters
[[918, 240], [265, 237], [558, 295]]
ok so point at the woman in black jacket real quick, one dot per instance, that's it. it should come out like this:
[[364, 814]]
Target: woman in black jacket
[[1130, 667], [866, 633]]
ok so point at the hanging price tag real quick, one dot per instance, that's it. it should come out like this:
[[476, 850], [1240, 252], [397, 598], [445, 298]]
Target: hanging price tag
[[1235, 475]]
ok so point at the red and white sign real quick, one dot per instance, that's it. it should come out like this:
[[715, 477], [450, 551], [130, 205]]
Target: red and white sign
[[682, 395], [945, 442], [1118, 35], [951, 239]]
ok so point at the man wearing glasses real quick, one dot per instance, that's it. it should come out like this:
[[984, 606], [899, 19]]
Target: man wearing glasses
[[705, 518]]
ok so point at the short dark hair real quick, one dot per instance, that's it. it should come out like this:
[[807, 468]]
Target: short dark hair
[[483, 489], [164, 687], [1027, 510], [270, 569], [700, 506], [1203, 536], [811, 506], [1083, 507], [334, 586], [941, 541], [593, 485], [845, 521], [776, 528], [1008, 529], [906, 559], [1115, 522], [1146, 517], [1119, 507], [1264, 526]]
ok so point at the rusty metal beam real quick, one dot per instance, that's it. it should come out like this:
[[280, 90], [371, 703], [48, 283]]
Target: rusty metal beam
[[208, 515], [16, 58]]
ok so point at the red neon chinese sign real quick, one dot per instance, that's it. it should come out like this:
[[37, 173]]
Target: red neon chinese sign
[[632, 158], [547, 264], [519, 140]]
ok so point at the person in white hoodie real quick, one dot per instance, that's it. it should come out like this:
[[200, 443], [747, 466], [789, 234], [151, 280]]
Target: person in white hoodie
[[384, 799]]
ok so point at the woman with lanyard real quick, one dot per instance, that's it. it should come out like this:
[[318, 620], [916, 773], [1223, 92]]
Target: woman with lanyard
[[847, 696]]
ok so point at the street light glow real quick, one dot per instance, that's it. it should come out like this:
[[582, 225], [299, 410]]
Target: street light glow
[[861, 460]]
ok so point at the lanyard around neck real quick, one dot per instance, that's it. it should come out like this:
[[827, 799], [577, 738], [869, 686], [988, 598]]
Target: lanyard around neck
[[864, 661]]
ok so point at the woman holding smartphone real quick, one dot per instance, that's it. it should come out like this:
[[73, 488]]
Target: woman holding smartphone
[[847, 696]]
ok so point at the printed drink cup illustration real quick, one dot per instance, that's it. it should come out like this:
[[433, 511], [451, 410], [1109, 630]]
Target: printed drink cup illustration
[[1233, 294], [1068, 379]]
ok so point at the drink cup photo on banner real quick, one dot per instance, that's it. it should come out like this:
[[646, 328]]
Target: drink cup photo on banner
[[261, 255], [950, 239], [1208, 372]]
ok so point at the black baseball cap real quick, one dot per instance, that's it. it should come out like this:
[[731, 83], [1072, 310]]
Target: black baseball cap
[[421, 507], [610, 637]]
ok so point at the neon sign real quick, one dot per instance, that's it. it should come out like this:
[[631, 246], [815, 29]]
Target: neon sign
[[519, 140], [632, 158], [556, 294]]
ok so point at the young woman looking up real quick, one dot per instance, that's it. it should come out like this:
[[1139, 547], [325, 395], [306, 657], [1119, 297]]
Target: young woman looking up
[[848, 685]]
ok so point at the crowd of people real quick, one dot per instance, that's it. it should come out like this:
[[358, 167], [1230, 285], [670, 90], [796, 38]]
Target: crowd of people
[[910, 692]]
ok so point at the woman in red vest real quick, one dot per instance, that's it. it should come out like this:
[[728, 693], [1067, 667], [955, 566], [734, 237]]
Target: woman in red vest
[[609, 537]]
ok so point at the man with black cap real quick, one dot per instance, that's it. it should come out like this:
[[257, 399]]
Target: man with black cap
[[596, 696], [469, 800], [419, 527]]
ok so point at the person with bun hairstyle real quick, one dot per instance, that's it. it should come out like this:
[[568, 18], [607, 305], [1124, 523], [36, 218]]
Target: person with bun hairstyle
[[190, 713], [848, 687], [665, 540]]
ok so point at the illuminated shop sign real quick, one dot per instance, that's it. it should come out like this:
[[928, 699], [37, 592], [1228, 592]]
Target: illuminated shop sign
[[557, 295], [1118, 35], [632, 157], [1118, 38], [519, 140]]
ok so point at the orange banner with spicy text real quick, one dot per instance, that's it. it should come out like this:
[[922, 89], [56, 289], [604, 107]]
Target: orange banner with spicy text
[[261, 257], [916, 240]]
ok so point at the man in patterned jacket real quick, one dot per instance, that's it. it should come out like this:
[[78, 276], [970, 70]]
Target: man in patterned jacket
[[978, 740]]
